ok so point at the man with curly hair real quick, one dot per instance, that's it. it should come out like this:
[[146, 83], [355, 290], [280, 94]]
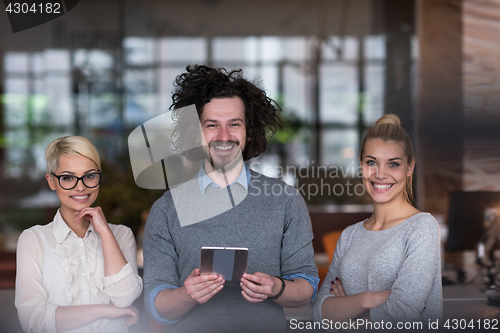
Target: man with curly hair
[[265, 215]]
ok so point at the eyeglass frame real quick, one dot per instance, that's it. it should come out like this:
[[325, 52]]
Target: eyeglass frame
[[78, 179]]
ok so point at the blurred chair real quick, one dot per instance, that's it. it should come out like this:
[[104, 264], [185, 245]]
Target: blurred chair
[[329, 241]]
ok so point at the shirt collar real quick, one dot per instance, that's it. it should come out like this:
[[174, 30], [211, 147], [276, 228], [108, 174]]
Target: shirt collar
[[61, 229], [204, 180]]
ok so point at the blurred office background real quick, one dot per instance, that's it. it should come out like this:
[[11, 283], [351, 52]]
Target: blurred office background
[[335, 67], [106, 67]]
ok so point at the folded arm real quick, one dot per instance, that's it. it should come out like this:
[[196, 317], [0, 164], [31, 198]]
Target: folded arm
[[416, 278], [342, 307], [406, 300], [72, 317], [35, 312]]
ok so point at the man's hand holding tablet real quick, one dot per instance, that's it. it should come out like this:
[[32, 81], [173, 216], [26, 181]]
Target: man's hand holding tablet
[[258, 286], [230, 264], [202, 287]]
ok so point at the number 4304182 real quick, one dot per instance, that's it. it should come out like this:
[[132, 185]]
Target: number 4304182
[[485, 324], [40, 8]]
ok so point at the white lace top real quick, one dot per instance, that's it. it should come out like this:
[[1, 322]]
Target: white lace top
[[55, 268]]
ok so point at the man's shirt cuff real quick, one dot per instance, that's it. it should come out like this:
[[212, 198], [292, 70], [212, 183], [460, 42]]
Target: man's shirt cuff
[[314, 281], [150, 304]]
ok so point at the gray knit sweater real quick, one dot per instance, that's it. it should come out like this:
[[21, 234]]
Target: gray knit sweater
[[404, 259], [272, 221]]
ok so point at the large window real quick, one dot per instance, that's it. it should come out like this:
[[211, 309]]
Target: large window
[[331, 90]]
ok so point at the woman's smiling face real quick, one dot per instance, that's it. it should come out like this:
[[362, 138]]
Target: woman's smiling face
[[385, 168], [80, 196]]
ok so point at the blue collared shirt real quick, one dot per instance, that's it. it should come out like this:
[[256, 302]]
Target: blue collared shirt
[[204, 180]]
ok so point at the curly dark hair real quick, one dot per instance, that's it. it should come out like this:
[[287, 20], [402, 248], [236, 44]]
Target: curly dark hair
[[202, 83]]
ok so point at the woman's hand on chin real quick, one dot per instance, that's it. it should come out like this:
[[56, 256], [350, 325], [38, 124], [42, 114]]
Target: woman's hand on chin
[[95, 216]]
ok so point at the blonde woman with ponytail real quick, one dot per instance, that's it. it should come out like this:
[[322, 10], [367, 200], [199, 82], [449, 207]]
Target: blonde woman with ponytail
[[386, 268]]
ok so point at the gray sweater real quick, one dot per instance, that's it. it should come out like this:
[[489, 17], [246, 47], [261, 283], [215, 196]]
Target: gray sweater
[[272, 221], [404, 259]]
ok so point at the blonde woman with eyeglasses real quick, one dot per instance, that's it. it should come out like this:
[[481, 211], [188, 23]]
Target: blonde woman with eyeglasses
[[77, 273]]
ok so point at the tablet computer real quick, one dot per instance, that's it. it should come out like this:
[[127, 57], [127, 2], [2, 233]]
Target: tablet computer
[[229, 262]]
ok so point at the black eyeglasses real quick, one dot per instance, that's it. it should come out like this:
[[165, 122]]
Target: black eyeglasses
[[69, 182]]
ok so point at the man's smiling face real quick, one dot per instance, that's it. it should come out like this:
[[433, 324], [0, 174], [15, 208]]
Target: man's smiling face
[[223, 124]]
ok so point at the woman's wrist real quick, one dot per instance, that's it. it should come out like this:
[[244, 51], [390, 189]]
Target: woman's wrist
[[372, 299], [106, 234], [367, 300], [111, 311], [105, 309]]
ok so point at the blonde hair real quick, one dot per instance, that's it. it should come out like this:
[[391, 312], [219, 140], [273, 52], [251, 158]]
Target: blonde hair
[[70, 145], [389, 128]]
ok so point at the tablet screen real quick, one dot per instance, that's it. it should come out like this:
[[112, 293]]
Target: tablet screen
[[228, 262]]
